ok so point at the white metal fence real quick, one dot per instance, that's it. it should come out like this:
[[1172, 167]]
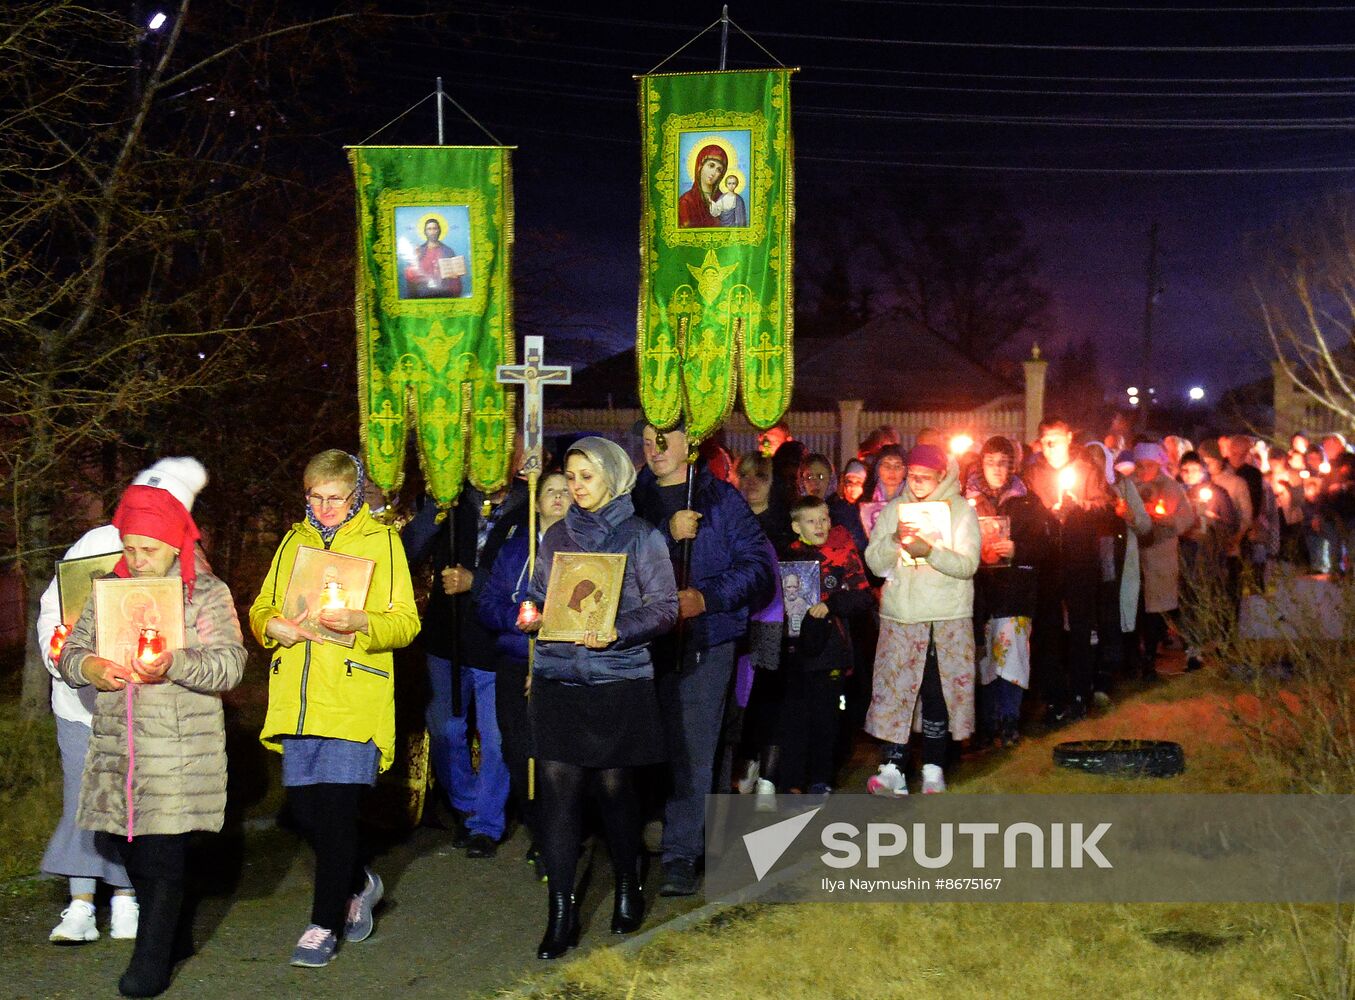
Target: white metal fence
[[821, 431]]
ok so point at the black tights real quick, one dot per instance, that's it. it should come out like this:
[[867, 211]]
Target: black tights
[[563, 789], [327, 816]]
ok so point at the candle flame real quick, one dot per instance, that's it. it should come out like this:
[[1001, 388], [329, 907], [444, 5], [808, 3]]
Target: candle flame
[[334, 595], [1067, 478], [1206, 494], [960, 444], [1160, 507], [58, 640]]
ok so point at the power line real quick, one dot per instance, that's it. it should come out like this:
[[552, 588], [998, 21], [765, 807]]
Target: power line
[[1085, 79], [1192, 95], [1083, 8], [1050, 47], [642, 55], [1104, 171], [934, 43], [1237, 124]]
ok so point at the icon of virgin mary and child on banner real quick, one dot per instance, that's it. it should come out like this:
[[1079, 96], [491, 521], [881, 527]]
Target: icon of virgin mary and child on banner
[[716, 165]]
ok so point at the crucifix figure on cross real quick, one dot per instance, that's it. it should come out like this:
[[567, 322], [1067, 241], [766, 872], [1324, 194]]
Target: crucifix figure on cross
[[533, 376]]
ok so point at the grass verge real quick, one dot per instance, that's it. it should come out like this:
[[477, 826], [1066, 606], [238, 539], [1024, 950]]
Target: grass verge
[[832, 950]]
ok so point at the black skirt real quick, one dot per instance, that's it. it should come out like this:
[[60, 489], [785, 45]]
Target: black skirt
[[597, 725]]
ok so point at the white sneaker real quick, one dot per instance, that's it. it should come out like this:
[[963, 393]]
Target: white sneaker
[[766, 796], [77, 924], [888, 781], [126, 913], [748, 783], [933, 780]]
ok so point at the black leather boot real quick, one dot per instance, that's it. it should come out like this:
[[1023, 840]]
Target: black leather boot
[[148, 973], [628, 907], [562, 926]]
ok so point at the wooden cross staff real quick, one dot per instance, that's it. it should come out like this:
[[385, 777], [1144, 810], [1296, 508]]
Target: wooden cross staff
[[532, 376]]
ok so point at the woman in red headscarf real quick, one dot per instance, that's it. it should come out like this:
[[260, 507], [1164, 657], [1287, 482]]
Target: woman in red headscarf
[[694, 207], [149, 783]]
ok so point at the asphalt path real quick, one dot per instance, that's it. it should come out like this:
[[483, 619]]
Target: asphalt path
[[449, 926]]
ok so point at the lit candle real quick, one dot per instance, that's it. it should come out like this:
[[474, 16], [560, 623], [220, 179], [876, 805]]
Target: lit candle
[[149, 645], [528, 614], [1160, 508], [58, 640], [1324, 468], [960, 444], [334, 595], [1067, 480], [1206, 494]]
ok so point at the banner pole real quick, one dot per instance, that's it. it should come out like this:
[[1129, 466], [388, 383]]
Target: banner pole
[[439, 103], [724, 34], [532, 478]]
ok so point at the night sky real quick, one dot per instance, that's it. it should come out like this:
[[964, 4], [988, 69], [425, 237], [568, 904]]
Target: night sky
[[1065, 106]]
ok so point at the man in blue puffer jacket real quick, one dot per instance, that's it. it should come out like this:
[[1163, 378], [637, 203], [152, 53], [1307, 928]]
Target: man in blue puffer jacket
[[730, 572]]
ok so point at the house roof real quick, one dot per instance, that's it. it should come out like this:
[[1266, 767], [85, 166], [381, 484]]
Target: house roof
[[888, 364]]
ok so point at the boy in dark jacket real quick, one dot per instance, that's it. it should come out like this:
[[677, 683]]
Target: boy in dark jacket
[[817, 661]]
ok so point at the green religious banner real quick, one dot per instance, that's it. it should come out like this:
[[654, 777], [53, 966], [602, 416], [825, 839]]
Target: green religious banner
[[434, 312], [716, 310]]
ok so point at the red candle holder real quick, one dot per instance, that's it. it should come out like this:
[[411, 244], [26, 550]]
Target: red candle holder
[[528, 614], [59, 636], [149, 644]]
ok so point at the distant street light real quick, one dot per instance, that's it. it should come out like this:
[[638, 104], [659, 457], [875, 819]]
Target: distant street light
[[1196, 393], [157, 20]]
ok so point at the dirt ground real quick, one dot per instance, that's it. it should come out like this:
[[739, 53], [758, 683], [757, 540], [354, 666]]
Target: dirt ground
[[449, 927]]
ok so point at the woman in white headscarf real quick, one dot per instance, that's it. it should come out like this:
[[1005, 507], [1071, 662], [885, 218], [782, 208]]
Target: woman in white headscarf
[[594, 707]]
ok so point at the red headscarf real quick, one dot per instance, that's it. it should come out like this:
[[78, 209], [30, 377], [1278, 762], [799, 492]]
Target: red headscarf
[[155, 513]]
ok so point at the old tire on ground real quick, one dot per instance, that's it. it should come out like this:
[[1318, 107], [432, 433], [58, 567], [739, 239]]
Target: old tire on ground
[[1122, 758]]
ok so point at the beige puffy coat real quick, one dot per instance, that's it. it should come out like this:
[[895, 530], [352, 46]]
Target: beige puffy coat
[[942, 589], [179, 732]]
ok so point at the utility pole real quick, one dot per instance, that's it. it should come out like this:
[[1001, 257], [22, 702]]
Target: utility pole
[[1146, 393]]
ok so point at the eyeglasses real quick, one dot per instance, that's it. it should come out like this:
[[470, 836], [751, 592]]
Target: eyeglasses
[[329, 503], [818, 476]]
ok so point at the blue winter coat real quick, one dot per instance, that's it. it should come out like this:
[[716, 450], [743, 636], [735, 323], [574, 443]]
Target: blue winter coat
[[648, 606], [502, 594], [731, 564]]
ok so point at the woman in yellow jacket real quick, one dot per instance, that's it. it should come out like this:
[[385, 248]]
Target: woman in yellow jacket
[[331, 707]]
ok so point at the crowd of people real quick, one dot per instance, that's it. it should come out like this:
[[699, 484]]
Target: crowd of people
[[771, 607]]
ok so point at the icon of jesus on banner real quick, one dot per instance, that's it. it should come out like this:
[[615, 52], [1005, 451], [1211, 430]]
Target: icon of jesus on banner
[[433, 268]]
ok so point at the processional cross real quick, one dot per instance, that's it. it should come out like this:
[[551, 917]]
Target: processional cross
[[533, 376]]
